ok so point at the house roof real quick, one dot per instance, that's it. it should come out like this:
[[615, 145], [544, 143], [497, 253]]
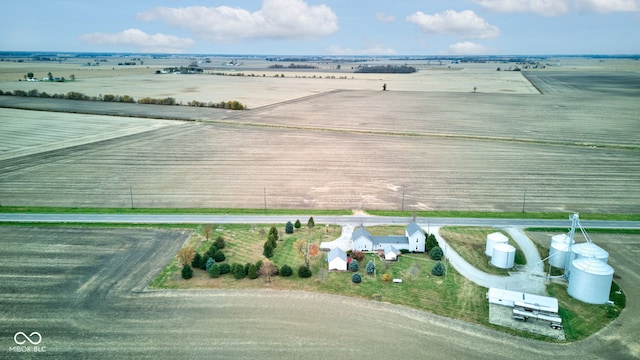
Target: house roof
[[412, 228], [361, 231], [390, 249], [392, 239], [336, 253]]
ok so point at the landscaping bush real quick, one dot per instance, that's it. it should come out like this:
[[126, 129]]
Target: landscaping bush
[[286, 270], [238, 271], [371, 267], [267, 249], [437, 269], [213, 249], [259, 265], [203, 263], [404, 251], [311, 223], [253, 272], [436, 253], [187, 272], [297, 225], [209, 263], [224, 268], [356, 278], [431, 242], [358, 255], [219, 256], [386, 277], [288, 228], [220, 243], [214, 271], [304, 272], [354, 265], [197, 258]]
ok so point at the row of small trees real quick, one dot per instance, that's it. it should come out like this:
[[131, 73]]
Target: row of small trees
[[74, 95]]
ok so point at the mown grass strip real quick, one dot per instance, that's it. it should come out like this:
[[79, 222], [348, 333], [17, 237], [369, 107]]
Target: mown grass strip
[[166, 211], [505, 215]]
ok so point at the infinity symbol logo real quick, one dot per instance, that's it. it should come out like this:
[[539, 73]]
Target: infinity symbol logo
[[27, 338]]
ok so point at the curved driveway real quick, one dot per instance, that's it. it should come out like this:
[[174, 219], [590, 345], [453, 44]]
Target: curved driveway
[[123, 321]]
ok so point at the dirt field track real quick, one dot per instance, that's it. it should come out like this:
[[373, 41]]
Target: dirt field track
[[84, 291]]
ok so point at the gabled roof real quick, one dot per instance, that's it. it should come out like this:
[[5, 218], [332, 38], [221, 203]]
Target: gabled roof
[[336, 253], [391, 239], [412, 228], [361, 231], [390, 249]]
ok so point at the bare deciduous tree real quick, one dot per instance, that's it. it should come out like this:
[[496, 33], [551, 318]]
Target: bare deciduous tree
[[268, 269], [186, 254], [207, 230]]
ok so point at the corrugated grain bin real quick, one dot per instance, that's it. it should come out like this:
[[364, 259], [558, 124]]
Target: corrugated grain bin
[[589, 250], [590, 280], [503, 256], [493, 239], [558, 254]]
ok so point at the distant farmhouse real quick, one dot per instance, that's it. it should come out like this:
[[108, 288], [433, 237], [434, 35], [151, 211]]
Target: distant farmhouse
[[413, 241]]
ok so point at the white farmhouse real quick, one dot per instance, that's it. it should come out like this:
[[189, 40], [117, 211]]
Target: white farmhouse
[[362, 239], [414, 240], [416, 237], [337, 259]]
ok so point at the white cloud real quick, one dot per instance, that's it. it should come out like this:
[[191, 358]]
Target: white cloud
[[465, 24], [607, 6], [541, 7], [141, 41], [277, 19], [559, 7], [469, 48], [384, 18]]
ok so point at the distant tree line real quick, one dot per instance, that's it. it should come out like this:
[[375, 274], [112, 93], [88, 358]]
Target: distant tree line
[[74, 95], [386, 69], [293, 66]]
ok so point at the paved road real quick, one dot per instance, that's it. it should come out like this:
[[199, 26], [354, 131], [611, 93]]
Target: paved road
[[275, 219]]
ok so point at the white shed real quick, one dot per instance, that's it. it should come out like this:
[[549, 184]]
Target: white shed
[[337, 259], [391, 253]]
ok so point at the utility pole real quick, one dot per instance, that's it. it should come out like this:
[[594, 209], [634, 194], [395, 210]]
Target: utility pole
[[402, 209], [131, 196], [265, 199], [524, 199]]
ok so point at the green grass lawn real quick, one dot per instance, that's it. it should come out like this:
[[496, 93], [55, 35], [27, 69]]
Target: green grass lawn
[[470, 243]]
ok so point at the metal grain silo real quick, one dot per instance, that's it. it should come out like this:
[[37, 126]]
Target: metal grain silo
[[558, 254], [493, 239], [590, 280], [503, 256], [589, 250]]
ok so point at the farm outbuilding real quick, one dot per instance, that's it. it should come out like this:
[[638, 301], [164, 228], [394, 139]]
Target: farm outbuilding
[[391, 253], [337, 259]]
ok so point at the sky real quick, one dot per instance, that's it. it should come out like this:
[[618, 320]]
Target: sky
[[324, 27]]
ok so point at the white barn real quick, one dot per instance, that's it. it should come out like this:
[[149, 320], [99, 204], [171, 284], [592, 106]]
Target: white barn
[[337, 259]]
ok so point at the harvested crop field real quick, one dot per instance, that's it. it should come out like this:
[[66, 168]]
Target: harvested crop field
[[312, 147], [87, 298]]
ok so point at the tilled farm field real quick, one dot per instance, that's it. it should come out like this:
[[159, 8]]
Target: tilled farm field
[[352, 150], [83, 290]]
